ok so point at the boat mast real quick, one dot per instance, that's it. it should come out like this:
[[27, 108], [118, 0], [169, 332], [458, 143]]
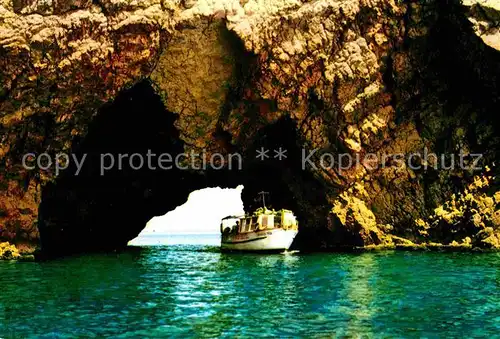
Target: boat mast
[[263, 195]]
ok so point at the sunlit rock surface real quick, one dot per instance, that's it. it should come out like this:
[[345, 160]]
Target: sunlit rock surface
[[485, 17], [352, 77], [8, 251]]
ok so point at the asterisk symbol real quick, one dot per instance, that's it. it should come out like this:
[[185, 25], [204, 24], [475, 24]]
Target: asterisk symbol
[[280, 153], [262, 153]]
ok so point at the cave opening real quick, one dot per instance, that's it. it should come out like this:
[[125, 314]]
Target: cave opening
[[86, 209], [102, 210], [196, 222], [290, 184]]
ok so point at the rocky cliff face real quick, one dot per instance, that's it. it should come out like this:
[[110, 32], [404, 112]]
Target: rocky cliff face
[[355, 78]]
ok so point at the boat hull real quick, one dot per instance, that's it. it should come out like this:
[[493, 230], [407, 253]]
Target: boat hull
[[266, 240]]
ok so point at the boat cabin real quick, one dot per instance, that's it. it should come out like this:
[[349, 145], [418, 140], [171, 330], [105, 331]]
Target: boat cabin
[[260, 220]]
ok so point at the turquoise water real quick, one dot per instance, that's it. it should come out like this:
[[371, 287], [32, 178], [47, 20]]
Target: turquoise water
[[189, 291]]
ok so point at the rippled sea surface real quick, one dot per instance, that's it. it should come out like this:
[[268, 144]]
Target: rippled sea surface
[[195, 291]]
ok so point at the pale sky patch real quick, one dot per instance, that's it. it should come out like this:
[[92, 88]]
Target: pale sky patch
[[202, 213]]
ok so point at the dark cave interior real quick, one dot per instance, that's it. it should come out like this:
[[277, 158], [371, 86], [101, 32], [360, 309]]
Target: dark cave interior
[[90, 211]]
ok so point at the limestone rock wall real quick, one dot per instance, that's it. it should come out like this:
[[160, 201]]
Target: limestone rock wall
[[59, 61]]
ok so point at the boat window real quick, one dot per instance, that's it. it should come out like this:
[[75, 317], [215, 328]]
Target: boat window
[[277, 221], [255, 222], [249, 224]]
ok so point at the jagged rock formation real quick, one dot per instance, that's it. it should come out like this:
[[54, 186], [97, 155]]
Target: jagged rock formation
[[8, 251], [469, 212], [354, 77], [11, 252]]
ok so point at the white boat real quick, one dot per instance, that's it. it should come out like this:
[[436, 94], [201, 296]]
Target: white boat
[[264, 230]]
